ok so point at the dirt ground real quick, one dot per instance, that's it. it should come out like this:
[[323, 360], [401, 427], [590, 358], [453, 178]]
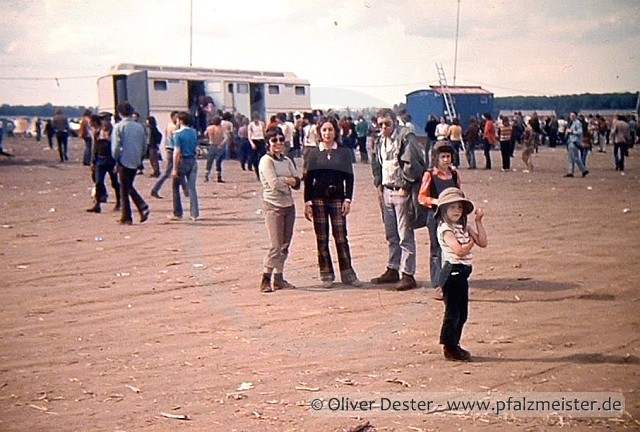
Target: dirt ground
[[106, 327]]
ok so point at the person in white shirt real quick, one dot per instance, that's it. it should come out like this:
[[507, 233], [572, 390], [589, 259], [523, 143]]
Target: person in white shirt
[[442, 130], [310, 140], [256, 132]]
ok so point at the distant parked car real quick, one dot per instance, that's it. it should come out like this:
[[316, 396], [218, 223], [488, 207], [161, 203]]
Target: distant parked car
[[8, 125], [21, 125], [74, 127]]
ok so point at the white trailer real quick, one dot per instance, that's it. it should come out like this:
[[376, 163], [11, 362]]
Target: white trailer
[[158, 90]]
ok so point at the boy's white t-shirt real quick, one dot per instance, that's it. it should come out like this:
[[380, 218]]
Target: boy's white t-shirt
[[462, 235]]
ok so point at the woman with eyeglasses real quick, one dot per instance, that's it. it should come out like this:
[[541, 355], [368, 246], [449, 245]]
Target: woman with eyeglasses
[[328, 190], [278, 176]]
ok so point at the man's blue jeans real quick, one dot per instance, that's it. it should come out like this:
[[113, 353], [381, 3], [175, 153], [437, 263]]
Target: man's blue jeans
[[399, 232], [188, 169], [168, 169], [435, 252], [215, 153], [86, 157], [574, 157]]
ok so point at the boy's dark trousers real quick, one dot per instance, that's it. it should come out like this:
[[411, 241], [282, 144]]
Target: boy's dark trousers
[[487, 154], [127, 176], [104, 166], [456, 300], [63, 141]]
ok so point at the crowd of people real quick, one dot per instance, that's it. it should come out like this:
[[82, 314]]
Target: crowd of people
[[418, 184], [578, 133]]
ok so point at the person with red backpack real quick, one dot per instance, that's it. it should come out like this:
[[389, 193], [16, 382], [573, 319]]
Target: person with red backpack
[[443, 175]]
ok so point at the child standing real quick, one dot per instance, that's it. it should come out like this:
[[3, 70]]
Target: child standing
[[527, 140], [434, 181], [456, 239]]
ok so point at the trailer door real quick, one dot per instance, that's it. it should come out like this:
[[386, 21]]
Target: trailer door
[[106, 94], [241, 99], [138, 92]]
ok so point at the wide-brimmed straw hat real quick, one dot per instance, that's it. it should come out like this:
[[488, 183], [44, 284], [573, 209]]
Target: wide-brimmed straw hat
[[451, 195]]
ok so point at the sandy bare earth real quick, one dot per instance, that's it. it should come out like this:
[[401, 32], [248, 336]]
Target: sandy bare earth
[[105, 327]]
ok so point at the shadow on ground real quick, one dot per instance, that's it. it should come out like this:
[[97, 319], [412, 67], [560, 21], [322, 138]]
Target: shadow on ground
[[521, 284], [579, 358], [17, 161]]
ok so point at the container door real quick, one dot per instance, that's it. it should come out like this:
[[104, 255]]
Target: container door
[[214, 90], [106, 94], [138, 92], [242, 102]]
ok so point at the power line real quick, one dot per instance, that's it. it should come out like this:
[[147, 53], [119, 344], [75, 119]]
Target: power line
[[503, 88], [380, 85], [46, 78], [80, 77]]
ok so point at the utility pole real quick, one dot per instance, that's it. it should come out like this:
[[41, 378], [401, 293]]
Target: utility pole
[[455, 59], [191, 34]]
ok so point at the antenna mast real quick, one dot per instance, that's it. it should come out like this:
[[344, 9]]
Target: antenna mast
[[455, 59], [191, 35]]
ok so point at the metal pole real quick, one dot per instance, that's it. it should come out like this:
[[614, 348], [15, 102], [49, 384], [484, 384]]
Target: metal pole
[[191, 35], [455, 60]]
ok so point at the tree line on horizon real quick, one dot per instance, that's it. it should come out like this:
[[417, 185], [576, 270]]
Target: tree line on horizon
[[46, 110], [562, 105]]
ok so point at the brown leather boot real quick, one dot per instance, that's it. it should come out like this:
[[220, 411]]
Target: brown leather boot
[[455, 353], [280, 283], [406, 283], [389, 276], [95, 209], [265, 284]]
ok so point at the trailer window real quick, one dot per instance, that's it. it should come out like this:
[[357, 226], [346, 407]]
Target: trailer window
[[242, 88], [274, 89], [300, 90], [160, 85]]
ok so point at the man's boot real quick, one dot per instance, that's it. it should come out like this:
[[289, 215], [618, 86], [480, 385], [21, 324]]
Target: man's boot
[[96, 207], [265, 284], [406, 283], [280, 283], [389, 276], [220, 178]]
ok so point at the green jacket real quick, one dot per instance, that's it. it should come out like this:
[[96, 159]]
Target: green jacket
[[411, 159]]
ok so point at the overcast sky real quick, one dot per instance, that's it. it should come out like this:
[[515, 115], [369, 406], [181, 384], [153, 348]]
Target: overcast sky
[[376, 50]]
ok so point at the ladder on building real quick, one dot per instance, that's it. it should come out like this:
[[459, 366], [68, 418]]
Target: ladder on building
[[448, 100]]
